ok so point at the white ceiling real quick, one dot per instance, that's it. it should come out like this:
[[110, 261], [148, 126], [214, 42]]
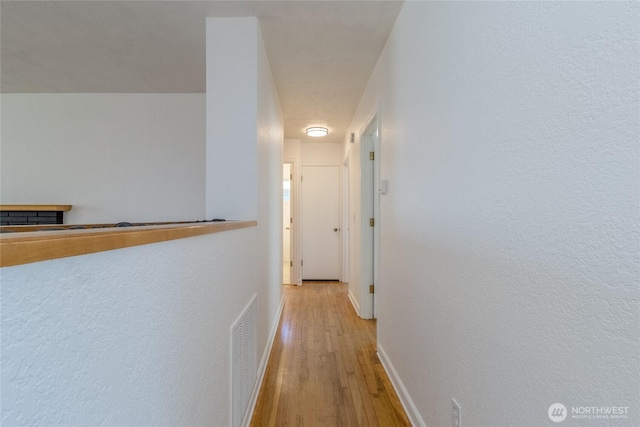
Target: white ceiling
[[321, 52]]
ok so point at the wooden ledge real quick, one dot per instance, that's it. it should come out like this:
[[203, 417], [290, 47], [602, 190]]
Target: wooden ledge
[[28, 247], [60, 227], [63, 208]]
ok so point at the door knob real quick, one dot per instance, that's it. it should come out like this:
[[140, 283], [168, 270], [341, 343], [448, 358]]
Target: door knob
[[335, 229]]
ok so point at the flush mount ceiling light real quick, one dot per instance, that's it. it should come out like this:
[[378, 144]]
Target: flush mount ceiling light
[[317, 132]]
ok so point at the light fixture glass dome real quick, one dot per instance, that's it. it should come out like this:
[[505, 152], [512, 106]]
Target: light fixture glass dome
[[317, 132]]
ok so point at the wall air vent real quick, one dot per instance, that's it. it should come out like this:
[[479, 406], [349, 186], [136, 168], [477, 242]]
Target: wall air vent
[[244, 365]]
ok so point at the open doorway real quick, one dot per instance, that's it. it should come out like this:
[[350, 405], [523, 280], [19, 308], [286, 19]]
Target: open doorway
[[287, 224]]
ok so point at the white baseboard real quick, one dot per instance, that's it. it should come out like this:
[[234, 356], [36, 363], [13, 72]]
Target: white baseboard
[[263, 366], [401, 391], [354, 303]]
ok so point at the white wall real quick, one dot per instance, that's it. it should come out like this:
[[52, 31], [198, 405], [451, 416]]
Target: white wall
[[313, 153], [509, 235], [140, 336], [131, 337], [114, 157], [270, 143], [232, 118], [291, 149], [318, 153]]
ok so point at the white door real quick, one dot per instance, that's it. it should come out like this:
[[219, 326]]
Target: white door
[[320, 222]]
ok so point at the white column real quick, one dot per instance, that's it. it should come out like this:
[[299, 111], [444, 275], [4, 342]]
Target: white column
[[231, 154]]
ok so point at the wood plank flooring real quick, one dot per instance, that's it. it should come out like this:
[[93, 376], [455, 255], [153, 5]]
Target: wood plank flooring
[[323, 369]]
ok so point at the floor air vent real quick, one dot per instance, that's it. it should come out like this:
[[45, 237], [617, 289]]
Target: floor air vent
[[244, 365]]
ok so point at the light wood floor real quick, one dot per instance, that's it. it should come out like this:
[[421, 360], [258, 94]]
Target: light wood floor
[[323, 369]]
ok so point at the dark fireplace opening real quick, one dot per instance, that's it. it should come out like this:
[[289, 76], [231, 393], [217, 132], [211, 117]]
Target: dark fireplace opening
[[31, 217]]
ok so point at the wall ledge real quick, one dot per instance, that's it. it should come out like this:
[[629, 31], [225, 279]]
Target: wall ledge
[[63, 208], [28, 247]]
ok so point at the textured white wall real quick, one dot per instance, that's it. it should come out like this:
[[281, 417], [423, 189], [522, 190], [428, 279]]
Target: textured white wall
[[114, 157], [510, 264], [131, 337]]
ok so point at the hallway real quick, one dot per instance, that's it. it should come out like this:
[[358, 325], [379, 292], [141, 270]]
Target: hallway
[[323, 369]]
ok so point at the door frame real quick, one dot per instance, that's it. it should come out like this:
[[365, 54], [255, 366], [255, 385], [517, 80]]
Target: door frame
[[345, 226], [340, 219], [289, 222], [369, 208], [295, 225]]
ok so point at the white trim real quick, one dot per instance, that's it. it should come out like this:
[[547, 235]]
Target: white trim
[[293, 280], [354, 303], [377, 148], [406, 401], [295, 226], [372, 115], [262, 367], [368, 209], [344, 219]]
